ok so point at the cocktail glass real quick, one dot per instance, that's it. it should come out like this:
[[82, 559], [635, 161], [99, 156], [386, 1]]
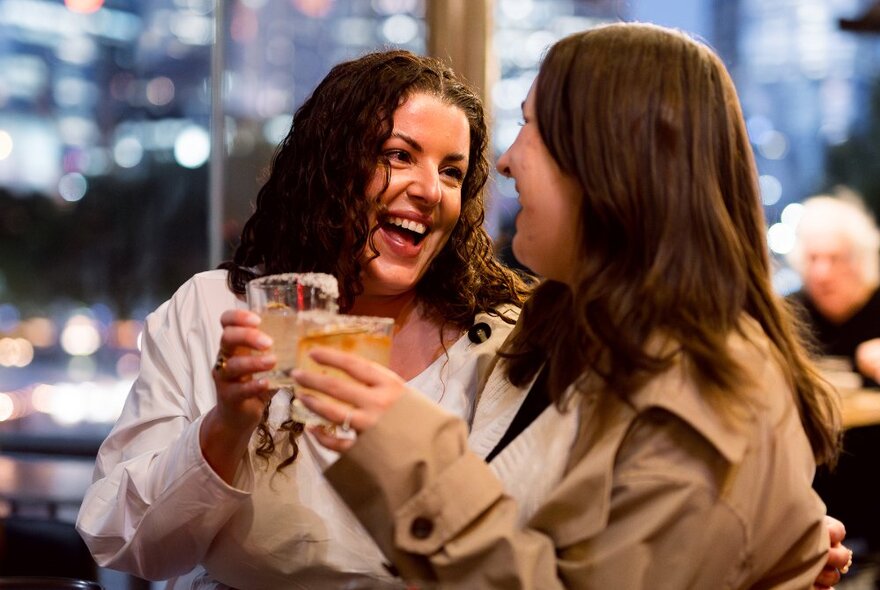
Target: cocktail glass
[[279, 299], [367, 336]]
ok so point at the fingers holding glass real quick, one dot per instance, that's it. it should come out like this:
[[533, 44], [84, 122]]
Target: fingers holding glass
[[279, 301], [242, 367], [365, 337]]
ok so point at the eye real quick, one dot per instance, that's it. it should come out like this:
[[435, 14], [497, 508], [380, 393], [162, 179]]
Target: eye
[[398, 155], [455, 173]]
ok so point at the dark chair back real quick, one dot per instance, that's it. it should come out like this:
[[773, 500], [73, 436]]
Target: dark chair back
[[46, 583], [44, 548]]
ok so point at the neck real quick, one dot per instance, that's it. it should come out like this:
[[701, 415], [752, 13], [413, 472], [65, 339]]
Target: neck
[[389, 306]]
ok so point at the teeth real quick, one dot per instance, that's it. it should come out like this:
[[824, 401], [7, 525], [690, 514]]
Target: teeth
[[413, 226]]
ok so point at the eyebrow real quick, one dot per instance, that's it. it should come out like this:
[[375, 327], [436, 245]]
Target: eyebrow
[[416, 146]]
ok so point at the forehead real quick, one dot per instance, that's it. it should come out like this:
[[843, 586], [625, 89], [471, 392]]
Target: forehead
[[826, 242], [424, 105], [430, 118]]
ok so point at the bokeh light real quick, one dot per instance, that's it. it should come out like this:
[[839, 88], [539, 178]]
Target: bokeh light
[[791, 214], [42, 396], [400, 29], [773, 145], [5, 144], [39, 331], [780, 238], [15, 352], [517, 9], [128, 152], [192, 147], [160, 91], [84, 6], [86, 401], [771, 189], [72, 187], [7, 407], [313, 8], [276, 128], [125, 333], [80, 336]]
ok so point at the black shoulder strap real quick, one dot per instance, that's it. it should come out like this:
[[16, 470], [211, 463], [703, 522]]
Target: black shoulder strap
[[537, 399]]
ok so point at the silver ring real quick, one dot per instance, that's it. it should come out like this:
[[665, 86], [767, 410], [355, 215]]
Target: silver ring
[[346, 423]]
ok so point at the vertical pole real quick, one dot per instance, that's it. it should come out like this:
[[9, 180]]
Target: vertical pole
[[217, 163], [460, 33]]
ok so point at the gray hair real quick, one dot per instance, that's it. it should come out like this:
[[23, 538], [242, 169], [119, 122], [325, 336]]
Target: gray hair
[[845, 215]]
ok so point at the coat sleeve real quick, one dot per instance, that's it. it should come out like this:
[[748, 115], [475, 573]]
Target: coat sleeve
[[435, 508], [642, 509], [155, 504]]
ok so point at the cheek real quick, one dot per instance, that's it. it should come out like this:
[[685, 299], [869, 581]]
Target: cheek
[[451, 211], [376, 185]]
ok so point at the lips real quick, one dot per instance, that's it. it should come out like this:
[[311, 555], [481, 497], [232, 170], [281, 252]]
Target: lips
[[404, 234], [416, 228]]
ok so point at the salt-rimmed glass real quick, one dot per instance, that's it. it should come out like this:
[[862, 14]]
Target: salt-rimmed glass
[[366, 336], [279, 299]]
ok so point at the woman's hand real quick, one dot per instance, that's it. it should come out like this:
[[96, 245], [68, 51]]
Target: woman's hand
[[241, 400], [839, 557], [365, 397]]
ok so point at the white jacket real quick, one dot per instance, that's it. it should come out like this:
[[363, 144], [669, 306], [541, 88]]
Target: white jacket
[[156, 508]]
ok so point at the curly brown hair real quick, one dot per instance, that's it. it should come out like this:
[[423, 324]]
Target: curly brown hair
[[312, 214]]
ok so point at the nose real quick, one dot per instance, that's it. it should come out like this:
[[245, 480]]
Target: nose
[[503, 165], [426, 187]]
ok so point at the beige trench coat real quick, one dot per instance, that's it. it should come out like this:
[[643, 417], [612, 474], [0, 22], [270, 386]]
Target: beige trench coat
[[659, 493]]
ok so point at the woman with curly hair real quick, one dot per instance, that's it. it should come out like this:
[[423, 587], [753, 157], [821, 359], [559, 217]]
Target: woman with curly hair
[[673, 422], [379, 183]]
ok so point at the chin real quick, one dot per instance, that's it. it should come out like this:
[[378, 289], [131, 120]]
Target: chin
[[390, 282]]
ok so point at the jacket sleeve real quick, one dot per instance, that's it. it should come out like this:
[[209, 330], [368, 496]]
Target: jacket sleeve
[[435, 508], [643, 511], [155, 504]]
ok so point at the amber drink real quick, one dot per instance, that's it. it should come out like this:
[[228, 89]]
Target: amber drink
[[366, 336]]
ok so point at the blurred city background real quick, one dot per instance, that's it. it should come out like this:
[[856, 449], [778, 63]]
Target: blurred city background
[[132, 145]]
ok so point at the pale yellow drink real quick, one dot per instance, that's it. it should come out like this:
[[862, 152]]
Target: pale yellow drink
[[280, 324], [279, 299], [369, 337]]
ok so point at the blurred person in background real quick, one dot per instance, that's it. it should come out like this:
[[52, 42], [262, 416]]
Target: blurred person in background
[[837, 253]]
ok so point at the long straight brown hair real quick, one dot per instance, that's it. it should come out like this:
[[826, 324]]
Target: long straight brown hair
[[672, 232]]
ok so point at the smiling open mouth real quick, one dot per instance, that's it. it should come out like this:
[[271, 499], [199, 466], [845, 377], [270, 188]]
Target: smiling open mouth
[[410, 230]]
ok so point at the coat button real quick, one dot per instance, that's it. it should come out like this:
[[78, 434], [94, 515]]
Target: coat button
[[421, 527], [479, 332]]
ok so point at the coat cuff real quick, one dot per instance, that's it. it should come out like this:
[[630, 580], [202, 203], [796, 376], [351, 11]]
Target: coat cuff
[[411, 479], [445, 507]]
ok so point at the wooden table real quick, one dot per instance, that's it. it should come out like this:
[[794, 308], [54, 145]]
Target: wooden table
[[48, 482], [860, 407]]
